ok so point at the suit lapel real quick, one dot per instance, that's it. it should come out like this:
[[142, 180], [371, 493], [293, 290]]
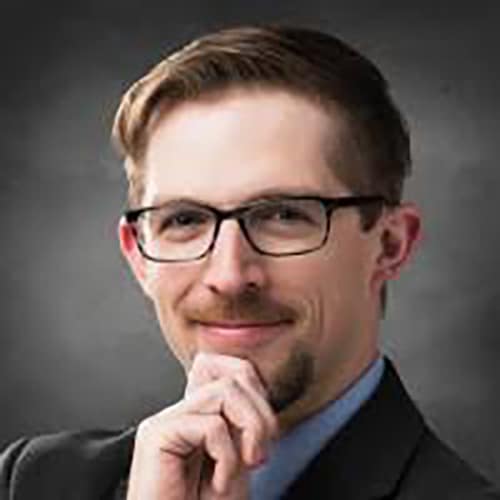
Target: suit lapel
[[368, 456]]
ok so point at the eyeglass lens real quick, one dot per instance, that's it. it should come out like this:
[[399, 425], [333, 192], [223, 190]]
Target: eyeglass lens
[[184, 231]]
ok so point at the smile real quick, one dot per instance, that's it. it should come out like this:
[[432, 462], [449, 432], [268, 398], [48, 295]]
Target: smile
[[241, 334]]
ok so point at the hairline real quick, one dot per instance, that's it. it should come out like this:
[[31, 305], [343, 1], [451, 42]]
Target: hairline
[[332, 110]]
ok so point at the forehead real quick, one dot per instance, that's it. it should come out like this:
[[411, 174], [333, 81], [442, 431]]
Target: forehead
[[231, 148]]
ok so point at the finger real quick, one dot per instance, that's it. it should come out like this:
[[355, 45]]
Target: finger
[[192, 432], [209, 367], [262, 406], [222, 450], [236, 489], [229, 399]]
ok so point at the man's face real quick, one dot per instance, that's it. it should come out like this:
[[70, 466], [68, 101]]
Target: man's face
[[225, 151]]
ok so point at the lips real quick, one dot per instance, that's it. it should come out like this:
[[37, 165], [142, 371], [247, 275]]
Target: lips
[[232, 325], [247, 334]]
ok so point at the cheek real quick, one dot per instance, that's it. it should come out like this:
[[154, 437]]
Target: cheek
[[339, 294], [168, 284], [347, 261]]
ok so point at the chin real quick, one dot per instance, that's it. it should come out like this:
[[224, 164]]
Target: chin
[[288, 381]]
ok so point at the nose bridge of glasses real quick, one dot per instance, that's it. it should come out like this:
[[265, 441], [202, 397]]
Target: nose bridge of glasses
[[227, 216]]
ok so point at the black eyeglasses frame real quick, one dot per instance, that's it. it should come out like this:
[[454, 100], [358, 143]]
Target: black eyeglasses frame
[[329, 205]]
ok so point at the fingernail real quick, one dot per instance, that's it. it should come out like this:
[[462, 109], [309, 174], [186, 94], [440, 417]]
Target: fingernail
[[261, 458]]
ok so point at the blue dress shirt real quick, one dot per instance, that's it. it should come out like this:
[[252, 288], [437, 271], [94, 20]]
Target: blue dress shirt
[[291, 454]]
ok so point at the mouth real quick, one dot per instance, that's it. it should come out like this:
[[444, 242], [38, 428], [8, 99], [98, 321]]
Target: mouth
[[241, 334]]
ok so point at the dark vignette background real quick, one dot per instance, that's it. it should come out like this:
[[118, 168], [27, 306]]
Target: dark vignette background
[[78, 347]]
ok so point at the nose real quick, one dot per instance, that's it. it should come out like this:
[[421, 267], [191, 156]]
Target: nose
[[233, 265]]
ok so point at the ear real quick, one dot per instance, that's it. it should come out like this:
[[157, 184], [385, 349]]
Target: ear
[[399, 235], [131, 252]]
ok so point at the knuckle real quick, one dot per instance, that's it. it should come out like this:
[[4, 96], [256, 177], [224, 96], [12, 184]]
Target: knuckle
[[215, 426], [197, 364], [228, 387], [150, 426], [201, 359], [248, 374], [246, 369], [146, 429]]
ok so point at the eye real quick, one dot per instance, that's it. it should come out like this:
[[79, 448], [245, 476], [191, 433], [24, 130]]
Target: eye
[[183, 219], [282, 213], [288, 213]]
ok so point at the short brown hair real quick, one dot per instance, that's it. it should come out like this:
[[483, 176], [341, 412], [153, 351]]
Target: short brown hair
[[304, 61]]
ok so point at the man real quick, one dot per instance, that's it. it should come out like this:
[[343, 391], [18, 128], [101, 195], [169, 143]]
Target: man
[[266, 167]]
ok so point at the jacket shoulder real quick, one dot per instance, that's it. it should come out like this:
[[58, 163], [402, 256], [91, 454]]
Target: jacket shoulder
[[70, 465], [436, 471]]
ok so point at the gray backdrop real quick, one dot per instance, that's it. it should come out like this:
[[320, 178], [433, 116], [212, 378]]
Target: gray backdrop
[[78, 346]]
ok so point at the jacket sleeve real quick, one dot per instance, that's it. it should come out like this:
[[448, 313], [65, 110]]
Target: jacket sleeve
[[9, 460], [71, 466]]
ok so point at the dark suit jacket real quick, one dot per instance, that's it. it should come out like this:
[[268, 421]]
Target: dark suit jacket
[[386, 451]]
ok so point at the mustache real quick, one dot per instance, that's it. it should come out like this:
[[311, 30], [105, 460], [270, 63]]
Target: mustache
[[246, 307]]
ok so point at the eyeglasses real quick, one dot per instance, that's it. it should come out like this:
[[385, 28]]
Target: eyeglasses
[[181, 231]]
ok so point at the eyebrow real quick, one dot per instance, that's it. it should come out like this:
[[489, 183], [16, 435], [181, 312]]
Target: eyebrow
[[266, 194]]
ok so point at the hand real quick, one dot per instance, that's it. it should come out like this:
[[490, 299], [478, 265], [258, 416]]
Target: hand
[[203, 446]]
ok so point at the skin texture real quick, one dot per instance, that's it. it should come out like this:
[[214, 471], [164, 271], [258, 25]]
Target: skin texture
[[225, 151]]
